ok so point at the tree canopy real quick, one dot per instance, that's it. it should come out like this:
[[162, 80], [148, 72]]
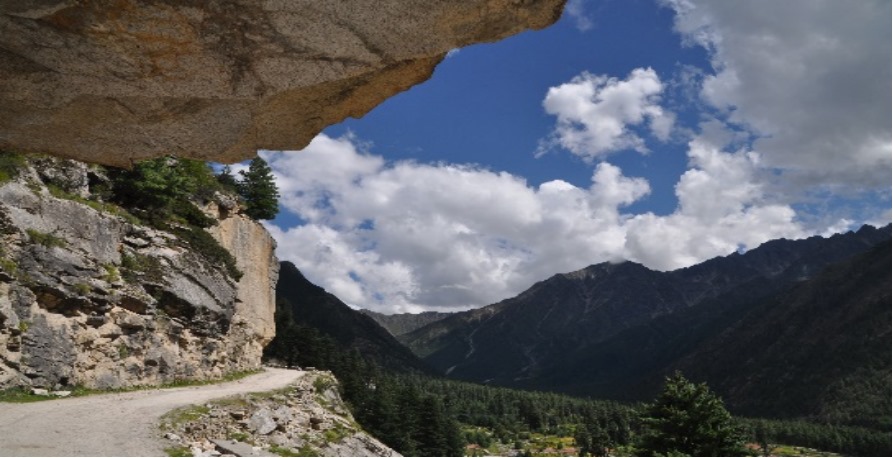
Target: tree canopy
[[258, 189], [688, 419]]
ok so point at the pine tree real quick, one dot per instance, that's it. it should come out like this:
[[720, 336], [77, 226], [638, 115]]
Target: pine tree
[[258, 188], [688, 419], [227, 179]]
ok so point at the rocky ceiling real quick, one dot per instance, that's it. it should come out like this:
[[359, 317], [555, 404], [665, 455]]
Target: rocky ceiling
[[117, 81]]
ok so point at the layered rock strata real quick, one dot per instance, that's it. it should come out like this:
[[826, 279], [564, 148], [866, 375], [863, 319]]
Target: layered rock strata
[[89, 296], [114, 82]]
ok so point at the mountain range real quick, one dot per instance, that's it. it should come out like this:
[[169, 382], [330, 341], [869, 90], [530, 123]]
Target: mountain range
[[786, 329], [404, 323]]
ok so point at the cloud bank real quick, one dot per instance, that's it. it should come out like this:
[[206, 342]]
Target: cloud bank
[[406, 236], [794, 113]]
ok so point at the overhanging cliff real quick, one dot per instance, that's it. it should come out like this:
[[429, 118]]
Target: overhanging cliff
[[115, 82]]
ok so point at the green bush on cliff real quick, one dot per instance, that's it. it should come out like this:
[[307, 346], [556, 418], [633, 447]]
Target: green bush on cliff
[[162, 193], [10, 165]]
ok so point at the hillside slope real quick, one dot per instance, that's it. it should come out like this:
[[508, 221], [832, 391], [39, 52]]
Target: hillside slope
[[818, 349], [523, 339], [303, 308], [403, 323]]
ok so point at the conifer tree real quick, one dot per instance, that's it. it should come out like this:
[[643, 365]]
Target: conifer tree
[[688, 419], [259, 190]]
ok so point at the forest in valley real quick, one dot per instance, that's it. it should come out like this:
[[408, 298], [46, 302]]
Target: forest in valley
[[419, 414]]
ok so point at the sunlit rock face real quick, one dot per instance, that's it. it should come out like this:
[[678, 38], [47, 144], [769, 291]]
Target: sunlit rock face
[[114, 82]]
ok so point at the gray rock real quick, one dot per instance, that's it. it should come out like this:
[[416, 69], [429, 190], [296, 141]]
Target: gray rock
[[61, 394], [262, 422], [238, 448], [40, 392]]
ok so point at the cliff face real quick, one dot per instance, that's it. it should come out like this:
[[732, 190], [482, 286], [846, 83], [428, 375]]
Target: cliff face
[[89, 296], [115, 81]]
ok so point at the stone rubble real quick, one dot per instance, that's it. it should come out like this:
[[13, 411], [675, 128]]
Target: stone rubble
[[307, 417]]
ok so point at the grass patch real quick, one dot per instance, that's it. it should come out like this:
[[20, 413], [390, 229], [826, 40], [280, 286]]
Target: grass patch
[[203, 243], [305, 450], [45, 239], [111, 273], [178, 451], [82, 288], [9, 266], [136, 264], [177, 417], [101, 207], [10, 165]]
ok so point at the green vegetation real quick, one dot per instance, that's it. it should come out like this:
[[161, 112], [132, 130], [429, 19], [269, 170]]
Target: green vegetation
[[305, 450], [258, 189], [177, 417], [689, 420], [8, 265], [178, 451], [422, 415], [45, 239], [102, 207], [10, 165], [135, 264], [82, 289], [111, 273]]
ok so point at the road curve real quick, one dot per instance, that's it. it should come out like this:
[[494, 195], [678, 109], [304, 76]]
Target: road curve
[[117, 424]]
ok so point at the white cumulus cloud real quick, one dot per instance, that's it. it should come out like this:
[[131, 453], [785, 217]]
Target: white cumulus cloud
[[406, 236], [596, 113], [811, 78]]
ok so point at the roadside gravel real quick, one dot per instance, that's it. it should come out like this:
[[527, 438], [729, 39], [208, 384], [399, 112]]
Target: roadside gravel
[[118, 424]]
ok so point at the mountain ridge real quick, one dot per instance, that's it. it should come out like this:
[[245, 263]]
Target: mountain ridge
[[517, 341]]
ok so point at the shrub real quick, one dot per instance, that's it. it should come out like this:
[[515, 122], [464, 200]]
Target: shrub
[[45, 239], [10, 165]]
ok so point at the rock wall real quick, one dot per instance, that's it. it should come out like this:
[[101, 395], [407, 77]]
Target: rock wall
[[306, 419], [90, 297], [115, 81]]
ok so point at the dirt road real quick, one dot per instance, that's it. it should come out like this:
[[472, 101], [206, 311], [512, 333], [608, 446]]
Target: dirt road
[[121, 424]]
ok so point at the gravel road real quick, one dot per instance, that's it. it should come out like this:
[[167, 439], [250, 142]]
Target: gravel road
[[119, 424]]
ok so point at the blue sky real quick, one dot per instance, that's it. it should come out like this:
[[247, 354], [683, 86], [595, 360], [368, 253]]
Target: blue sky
[[663, 132]]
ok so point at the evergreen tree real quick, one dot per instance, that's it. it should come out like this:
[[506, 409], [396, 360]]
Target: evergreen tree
[[258, 188], [688, 419], [227, 179]]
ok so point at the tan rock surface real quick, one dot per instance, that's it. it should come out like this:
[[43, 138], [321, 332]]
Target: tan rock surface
[[117, 81]]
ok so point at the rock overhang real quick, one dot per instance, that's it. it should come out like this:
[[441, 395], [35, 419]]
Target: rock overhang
[[115, 82]]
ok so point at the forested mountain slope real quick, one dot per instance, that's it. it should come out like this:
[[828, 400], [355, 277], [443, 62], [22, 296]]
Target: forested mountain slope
[[819, 349], [527, 338], [304, 312], [402, 323]]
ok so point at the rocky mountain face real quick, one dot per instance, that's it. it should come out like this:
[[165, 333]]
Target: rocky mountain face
[[309, 418], [303, 307], [90, 296], [555, 326], [816, 348], [403, 323], [114, 82]]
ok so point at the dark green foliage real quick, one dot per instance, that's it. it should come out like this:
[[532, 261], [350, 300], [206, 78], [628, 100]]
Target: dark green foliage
[[45, 239], [847, 440], [10, 165], [687, 419], [227, 179], [203, 243], [258, 189], [162, 193]]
